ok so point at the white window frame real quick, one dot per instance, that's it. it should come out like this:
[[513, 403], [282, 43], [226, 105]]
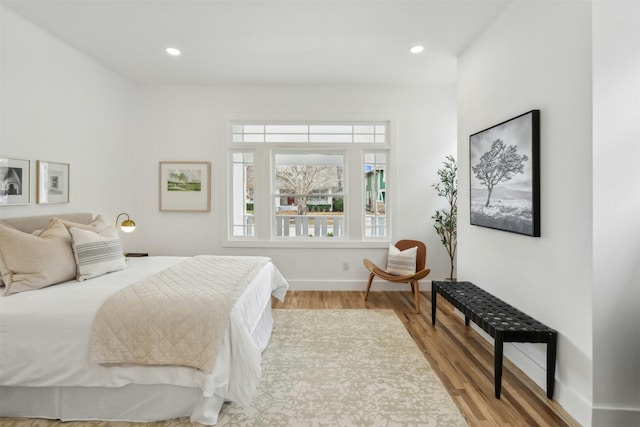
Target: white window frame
[[264, 172]]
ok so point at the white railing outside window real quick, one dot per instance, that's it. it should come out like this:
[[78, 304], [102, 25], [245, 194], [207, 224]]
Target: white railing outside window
[[309, 226]]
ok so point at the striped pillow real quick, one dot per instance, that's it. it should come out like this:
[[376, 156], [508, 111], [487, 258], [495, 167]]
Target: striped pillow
[[96, 253], [402, 263]]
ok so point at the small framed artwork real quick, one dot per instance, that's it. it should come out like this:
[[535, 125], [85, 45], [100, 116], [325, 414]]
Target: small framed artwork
[[53, 182], [185, 186], [15, 181], [504, 165]]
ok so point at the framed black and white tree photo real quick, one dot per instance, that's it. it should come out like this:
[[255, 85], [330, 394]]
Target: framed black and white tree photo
[[505, 175]]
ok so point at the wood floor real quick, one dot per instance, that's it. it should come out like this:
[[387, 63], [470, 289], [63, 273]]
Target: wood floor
[[460, 356]]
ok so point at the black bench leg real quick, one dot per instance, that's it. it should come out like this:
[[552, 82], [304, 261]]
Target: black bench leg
[[497, 362], [551, 363], [434, 294]]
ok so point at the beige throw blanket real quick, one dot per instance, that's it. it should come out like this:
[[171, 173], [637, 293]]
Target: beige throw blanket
[[176, 317]]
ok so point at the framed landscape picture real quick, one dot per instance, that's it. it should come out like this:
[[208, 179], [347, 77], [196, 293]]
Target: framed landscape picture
[[15, 182], [505, 175], [53, 182], [185, 186]]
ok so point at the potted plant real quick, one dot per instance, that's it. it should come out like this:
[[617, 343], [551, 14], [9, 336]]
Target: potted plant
[[446, 219]]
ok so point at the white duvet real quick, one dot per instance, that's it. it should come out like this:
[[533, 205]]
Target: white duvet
[[44, 337]]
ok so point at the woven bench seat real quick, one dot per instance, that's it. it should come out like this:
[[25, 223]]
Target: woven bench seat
[[502, 321]]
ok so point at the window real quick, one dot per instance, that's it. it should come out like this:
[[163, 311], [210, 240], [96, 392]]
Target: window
[[305, 181], [309, 194], [375, 188], [242, 219], [310, 133]]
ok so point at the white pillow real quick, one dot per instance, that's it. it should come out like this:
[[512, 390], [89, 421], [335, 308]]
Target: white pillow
[[96, 253], [402, 263]]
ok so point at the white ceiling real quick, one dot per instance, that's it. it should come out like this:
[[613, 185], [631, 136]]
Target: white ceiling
[[295, 42]]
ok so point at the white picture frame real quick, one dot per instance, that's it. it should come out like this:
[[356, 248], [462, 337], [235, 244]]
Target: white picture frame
[[185, 186], [53, 182]]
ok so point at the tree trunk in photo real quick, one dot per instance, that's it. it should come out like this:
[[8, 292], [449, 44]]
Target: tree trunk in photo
[[489, 196]]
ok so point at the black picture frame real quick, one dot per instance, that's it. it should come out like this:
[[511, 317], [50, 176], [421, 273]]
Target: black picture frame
[[504, 175]]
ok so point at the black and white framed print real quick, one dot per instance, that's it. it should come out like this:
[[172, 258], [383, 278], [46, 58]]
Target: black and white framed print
[[53, 182], [504, 165], [15, 181]]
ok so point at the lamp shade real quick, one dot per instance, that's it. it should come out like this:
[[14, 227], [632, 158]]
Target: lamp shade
[[127, 225]]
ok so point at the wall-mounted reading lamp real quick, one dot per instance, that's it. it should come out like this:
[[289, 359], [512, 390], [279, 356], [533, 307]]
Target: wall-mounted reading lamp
[[127, 225]]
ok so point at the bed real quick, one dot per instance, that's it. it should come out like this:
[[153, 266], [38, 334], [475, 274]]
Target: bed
[[47, 336]]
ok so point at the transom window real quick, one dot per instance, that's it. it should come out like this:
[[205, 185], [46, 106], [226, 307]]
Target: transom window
[[323, 182], [309, 133]]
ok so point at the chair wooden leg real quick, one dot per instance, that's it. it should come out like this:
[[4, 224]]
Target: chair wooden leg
[[366, 294], [415, 287]]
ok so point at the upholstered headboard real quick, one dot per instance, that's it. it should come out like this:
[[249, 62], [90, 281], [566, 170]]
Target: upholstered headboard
[[29, 224]]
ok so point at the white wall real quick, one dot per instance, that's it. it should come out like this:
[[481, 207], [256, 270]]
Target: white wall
[[58, 105], [190, 123], [616, 210], [537, 55]]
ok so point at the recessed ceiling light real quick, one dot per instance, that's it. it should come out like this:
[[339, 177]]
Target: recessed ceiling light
[[173, 51], [417, 49]]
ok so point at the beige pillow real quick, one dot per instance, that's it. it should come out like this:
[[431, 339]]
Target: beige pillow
[[98, 224], [96, 253], [29, 262], [1, 282], [7, 225], [402, 263]]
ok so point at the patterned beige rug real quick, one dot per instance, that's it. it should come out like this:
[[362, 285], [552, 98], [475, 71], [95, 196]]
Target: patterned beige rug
[[332, 368]]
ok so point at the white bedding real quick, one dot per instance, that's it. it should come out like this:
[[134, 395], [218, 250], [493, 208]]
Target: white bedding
[[44, 342]]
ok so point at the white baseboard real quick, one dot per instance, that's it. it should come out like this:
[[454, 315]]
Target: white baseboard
[[352, 285], [615, 417], [573, 401]]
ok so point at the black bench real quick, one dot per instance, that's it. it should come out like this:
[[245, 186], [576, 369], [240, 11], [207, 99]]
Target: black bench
[[500, 320]]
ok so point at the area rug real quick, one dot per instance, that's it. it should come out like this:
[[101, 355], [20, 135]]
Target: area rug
[[332, 368]]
